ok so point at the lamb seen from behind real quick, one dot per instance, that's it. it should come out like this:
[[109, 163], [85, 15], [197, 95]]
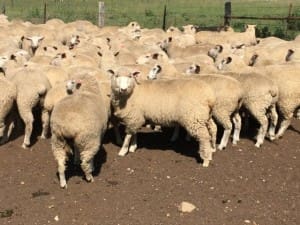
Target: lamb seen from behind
[[84, 123]]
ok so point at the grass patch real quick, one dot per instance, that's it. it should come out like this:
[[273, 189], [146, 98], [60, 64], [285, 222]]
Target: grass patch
[[149, 13]]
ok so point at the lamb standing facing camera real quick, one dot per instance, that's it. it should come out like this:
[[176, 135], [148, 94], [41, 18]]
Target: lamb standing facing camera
[[183, 101]]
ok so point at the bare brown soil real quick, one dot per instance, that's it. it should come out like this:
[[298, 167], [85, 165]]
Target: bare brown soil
[[243, 185]]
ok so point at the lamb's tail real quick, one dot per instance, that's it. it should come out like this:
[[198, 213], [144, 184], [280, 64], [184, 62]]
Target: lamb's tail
[[42, 90], [274, 93], [58, 139]]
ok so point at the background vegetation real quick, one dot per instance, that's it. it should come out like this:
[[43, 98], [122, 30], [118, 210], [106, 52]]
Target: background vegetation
[[149, 13]]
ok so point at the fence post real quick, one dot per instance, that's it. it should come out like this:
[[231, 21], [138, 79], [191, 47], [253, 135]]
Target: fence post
[[101, 13], [287, 19], [45, 12], [3, 9], [164, 18], [227, 13]]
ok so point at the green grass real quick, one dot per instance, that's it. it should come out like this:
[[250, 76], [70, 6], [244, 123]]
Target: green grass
[[149, 13]]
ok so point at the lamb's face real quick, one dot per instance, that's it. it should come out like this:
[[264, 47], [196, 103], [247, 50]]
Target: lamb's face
[[123, 84], [35, 42], [223, 64], [215, 51], [153, 73], [193, 69], [147, 58], [72, 86], [134, 25]]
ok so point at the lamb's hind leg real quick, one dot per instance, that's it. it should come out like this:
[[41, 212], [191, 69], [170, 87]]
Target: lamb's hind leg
[[212, 129], [285, 123], [261, 117], [237, 127], [87, 158], [27, 117], [60, 155], [200, 131], [45, 123], [274, 120], [226, 123]]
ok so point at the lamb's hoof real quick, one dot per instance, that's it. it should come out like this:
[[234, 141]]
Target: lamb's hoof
[[63, 185], [257, 145], [90, 179], [157, 128], [272, 137], [278, 136], [25, 146], [122, 152], [205, 163], [43, 136], [132, 148], [220, 147]]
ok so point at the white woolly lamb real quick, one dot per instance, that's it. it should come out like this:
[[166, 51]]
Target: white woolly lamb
[[183, 101], [32, 86], [84, 123]]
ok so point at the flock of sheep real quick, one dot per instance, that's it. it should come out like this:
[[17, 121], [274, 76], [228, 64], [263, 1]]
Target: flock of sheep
[[84, 79]]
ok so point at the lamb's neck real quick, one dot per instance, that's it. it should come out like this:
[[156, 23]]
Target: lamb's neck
[[118, 101]]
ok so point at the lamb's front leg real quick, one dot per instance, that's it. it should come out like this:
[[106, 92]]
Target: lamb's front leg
[[133, 143], [125, 146]]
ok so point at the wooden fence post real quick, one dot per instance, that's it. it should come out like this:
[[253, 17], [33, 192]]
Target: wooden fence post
[[288, 19], [101, 13], [227, 14], [164, 18], [3, 9], [45, 12]]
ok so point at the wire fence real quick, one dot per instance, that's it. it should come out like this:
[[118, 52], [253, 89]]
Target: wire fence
[[208, 14]]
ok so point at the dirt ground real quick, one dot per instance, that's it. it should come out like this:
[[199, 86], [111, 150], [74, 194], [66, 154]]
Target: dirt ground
[[243, 185]]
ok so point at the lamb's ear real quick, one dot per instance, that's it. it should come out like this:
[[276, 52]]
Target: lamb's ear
[[289, 54], [253, 60], [228, 60], [136, 73], [41, 38], [197, 70], [116, 54], [155, 56], [12, 57], [99, 53], [219, 48], [240, 46], [111, 73], [78, 84]]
